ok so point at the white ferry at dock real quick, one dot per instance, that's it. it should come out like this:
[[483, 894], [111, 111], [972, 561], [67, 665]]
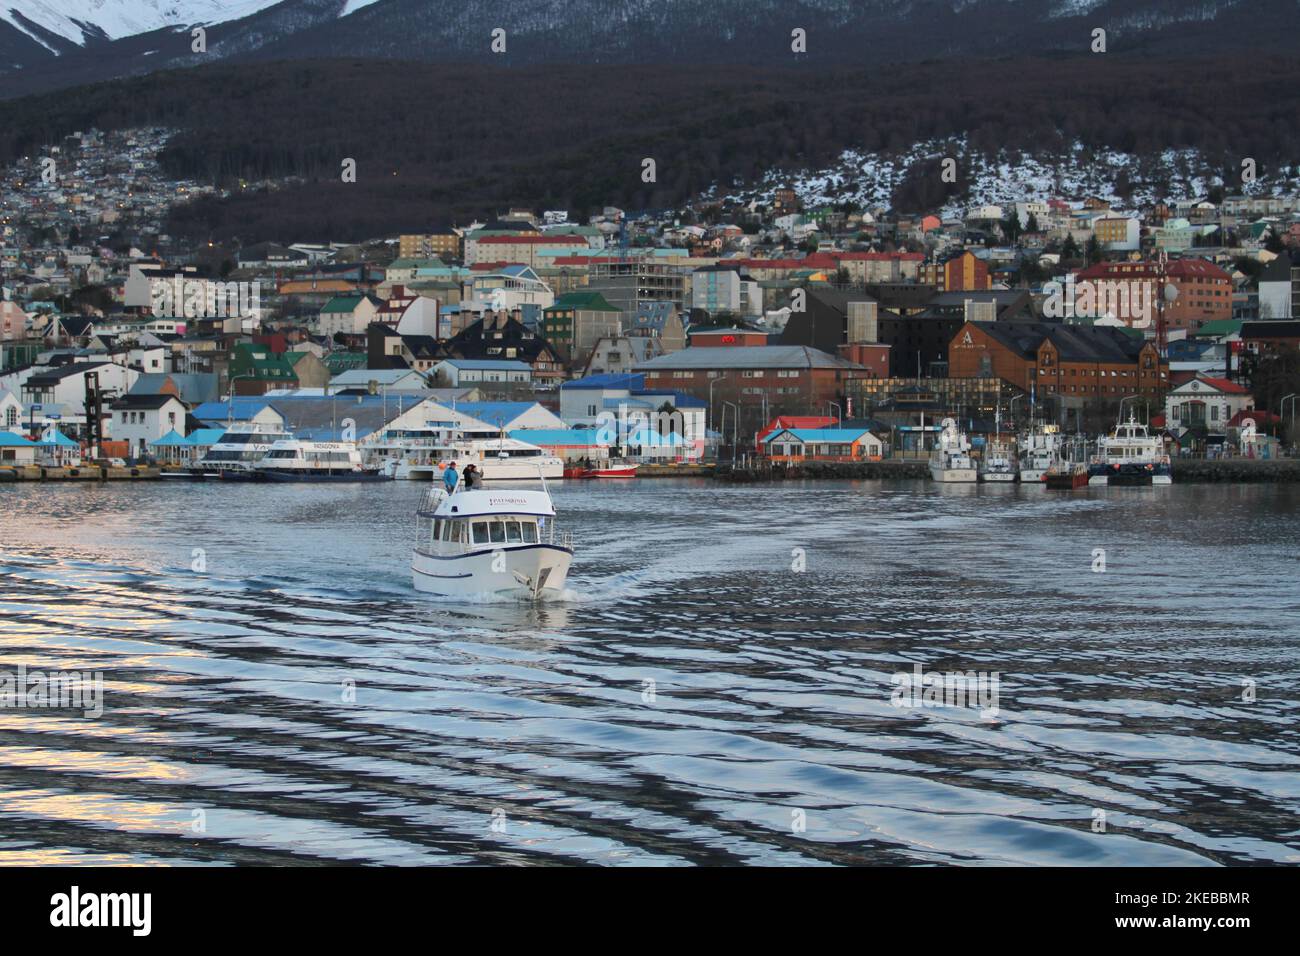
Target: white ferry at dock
[[293, 460], [238, 452], [421, 454]]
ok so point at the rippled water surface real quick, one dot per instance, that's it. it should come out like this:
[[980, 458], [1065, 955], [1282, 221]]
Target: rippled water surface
[[696, 700]]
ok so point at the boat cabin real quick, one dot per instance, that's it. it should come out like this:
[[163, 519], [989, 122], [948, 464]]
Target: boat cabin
[[466, 521]]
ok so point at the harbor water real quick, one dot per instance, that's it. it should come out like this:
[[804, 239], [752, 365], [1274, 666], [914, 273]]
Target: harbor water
[[719, 685]]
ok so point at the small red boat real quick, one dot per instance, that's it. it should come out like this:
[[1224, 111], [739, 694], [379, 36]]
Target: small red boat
[[608, 471]]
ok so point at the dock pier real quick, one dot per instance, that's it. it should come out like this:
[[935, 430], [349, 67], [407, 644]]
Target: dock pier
[[80, 473]]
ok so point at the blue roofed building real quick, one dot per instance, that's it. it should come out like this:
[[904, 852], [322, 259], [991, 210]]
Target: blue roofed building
[[16, 449], [622, 402], [250, 408], [512, 415], [459, 371]]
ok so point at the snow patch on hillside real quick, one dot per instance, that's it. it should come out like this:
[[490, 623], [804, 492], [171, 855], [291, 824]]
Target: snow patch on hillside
[[869, 180], [76, 20]]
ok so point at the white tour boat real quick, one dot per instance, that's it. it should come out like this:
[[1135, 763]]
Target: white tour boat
[[498, 541], [421, 454], [950, 460], [1130, 455], [293, 460], [236, 454]]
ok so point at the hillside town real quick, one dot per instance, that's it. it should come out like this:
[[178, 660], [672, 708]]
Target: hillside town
[[706, 331]]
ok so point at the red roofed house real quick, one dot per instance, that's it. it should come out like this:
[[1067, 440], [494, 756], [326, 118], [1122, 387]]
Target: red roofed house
[[522, 248], [1205, 402], [793, 421]]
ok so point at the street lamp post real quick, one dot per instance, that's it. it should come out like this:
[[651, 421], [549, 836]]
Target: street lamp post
[[839, 413], [1281, 408], [735, 426], [230, 399], [711, 383]]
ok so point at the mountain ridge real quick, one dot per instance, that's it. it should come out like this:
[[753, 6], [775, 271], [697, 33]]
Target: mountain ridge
[[36, 57]]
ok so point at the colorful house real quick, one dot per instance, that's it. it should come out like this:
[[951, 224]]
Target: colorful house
[[823, 444], [16, 450]]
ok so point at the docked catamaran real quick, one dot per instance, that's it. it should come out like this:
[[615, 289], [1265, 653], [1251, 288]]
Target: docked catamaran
[[238, 452], [294, 460], [490, 541], [420, 454], [1130, 455], [951, 460]]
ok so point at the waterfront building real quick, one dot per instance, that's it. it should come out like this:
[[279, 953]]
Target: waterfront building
[[628, 399], [1071, 362], [140, 420], [823, 444], [1206, 402], [789, 379], [16, 449]]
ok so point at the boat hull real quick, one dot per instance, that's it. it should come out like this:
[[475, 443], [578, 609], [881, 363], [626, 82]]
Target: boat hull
[[1131, 474], [1032, 475], [225, 474], [998, 476], [1066, 480], [322, 475], [527, 572], [953, 475], [628, 471]]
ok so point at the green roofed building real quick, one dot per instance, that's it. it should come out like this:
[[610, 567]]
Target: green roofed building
[[1218, 328], [340, 362], [578, 320], [255, 370], [347, 313]]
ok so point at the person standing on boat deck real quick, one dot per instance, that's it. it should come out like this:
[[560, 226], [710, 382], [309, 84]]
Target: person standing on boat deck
[[450, 477], [471, 477]]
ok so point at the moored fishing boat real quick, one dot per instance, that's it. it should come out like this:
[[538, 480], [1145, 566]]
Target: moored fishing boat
[[1130, 455], [998, 463], [1036, 452], [950, 461]]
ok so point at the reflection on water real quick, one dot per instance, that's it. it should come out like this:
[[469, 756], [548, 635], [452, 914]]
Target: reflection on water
[[716, 689]]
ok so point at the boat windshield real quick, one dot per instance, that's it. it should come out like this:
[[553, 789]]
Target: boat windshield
[[514, 484]]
